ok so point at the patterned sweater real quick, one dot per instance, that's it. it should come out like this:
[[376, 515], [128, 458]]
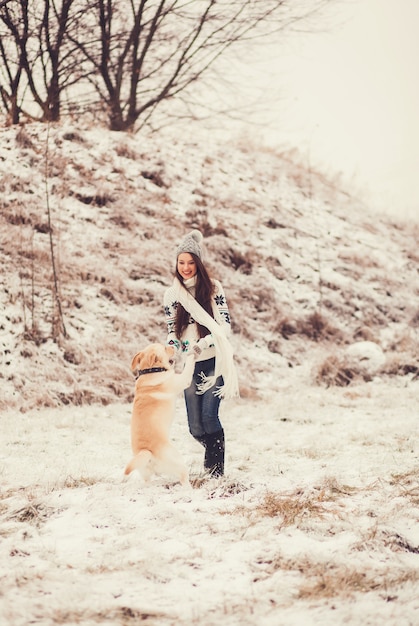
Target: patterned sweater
[[190, 335]]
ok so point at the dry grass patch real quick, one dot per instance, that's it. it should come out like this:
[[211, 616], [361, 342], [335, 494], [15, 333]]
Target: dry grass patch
[[121, 615], [408, 483], [317, 327], [402, 365], [339, 372], [227, 489], [125, 151], [24, 140], [358, 262], [289, 508], [294, 507], [35, 513], [218, 488], [77, 483], [285, 327], [326, 580], [341, 581]]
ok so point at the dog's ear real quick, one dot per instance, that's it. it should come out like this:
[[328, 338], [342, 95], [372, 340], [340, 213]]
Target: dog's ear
[[136, 360], [157, 359]]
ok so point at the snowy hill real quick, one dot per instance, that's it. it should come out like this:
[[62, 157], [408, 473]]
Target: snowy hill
[[307, 270], [316, 519]]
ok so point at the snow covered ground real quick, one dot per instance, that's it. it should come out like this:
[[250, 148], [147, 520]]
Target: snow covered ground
[[316, 520]]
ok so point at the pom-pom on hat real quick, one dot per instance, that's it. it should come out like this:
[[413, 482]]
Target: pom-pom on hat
[[192, 243]]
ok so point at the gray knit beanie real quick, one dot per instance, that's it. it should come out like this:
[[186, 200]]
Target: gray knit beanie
[[192, 243]]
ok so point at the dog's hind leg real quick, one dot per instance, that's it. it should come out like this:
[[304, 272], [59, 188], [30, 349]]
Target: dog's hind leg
[[171, 462], [140, 462]]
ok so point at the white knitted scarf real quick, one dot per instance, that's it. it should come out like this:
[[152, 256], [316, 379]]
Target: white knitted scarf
[[224, 356]]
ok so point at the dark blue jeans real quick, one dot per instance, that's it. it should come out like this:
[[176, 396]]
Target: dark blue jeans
[[202, 409]]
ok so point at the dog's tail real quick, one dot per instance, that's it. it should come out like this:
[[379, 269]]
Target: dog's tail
[[139, 462]]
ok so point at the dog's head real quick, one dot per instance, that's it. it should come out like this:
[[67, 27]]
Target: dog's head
[[155, 355]]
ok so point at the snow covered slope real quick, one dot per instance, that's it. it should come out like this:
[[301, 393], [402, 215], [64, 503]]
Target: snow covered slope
[[307, 270]]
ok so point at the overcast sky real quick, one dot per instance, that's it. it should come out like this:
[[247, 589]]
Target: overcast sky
[[349, 97]]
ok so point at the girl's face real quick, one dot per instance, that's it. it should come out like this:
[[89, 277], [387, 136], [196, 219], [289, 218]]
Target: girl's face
[[186, 265]]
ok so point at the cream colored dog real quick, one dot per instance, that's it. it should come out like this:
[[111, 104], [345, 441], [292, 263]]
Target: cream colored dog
[[152, 414]]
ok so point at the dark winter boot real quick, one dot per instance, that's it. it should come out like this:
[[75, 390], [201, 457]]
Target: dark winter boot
[[202, 439], [214, 454]]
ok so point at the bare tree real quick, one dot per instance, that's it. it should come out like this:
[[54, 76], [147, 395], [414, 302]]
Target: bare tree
[[148, 52], [37, 56], [136, 54], [13, 41]]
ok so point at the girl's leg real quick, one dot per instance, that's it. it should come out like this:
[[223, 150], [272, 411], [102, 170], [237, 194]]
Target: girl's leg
[[209, 410], [203, 419], [202, 409], [193, 403], [214, 433]]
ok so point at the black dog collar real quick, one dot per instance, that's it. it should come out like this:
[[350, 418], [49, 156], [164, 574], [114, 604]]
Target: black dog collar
[[151, 370]]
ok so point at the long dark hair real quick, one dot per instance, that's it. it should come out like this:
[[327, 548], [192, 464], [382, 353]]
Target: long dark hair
[[204, 290]]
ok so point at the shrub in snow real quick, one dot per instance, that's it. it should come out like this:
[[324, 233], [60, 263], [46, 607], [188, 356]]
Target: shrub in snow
[[360, 361], [367, 354], [335, 371]]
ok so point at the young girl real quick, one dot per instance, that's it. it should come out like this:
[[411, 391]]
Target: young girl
[[198, 320]]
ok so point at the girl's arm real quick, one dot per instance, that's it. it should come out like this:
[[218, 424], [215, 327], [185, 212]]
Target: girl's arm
[[170, 314], [221, 316], [220, 308]]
